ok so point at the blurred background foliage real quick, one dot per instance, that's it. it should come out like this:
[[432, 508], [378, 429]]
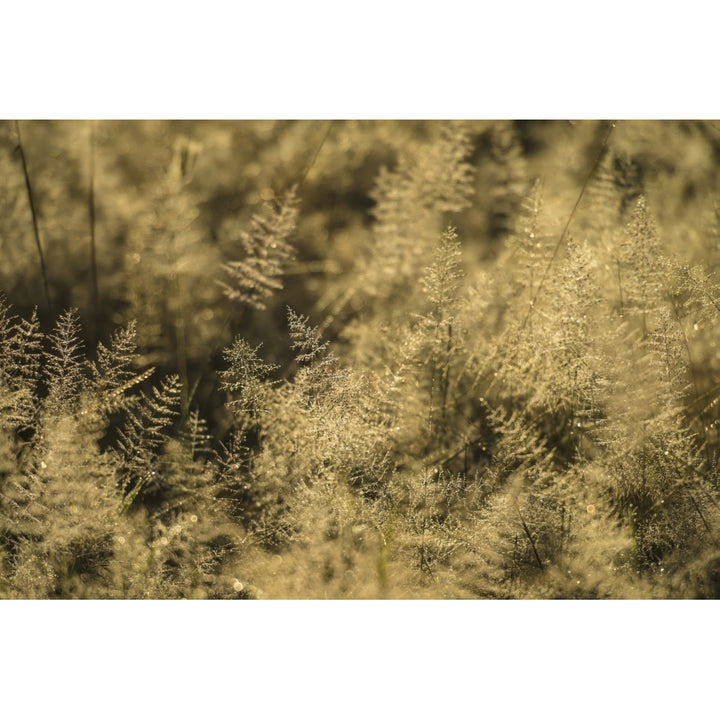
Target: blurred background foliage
[[441, 442], [170, 199]]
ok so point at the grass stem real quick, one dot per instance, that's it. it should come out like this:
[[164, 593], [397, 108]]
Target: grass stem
[[94, 302], [33, 212]]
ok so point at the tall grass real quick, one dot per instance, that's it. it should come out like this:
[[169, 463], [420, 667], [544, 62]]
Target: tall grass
[[462, 359]]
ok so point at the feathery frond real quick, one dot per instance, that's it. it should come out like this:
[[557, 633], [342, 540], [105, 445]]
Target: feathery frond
[[268, 253]]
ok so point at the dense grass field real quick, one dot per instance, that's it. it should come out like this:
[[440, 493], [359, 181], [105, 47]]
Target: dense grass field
[[359, 359]]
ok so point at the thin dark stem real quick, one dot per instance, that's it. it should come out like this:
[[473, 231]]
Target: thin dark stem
[[33, 212], [699, 511], [424, 560], [315, 156], [93, 250], [446, 378], [180, 334], [529, 537]]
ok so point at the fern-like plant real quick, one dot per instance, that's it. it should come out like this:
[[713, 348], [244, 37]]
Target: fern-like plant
[[267, 254]]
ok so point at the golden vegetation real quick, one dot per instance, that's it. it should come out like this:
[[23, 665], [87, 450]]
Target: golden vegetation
[[359, 359]]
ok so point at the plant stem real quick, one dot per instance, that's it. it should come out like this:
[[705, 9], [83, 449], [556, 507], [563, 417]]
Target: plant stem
[[529, 537], [567, 224], [93, 251], [33, 212]]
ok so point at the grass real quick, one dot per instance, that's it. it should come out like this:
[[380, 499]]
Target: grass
[[360, 359]]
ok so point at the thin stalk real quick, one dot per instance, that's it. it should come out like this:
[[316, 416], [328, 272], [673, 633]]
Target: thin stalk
[[529, 537], [93, 250], [315, 156], [181, 349], [699, 511], [564, 233], [33, 212], [446, 378], [424, 561], [180, 337]]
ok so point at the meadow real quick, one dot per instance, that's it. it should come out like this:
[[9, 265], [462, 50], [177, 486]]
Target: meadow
[[359, 359]]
